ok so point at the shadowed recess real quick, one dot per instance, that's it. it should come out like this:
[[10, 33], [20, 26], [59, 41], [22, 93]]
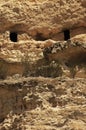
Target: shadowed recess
[[40, 37], [66, 34], [13, 36]]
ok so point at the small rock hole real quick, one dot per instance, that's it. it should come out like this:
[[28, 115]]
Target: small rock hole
[[66, 34], [40, 37], [13, 36]]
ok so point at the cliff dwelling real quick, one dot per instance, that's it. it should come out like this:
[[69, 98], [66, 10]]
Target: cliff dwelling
[[43, 65]]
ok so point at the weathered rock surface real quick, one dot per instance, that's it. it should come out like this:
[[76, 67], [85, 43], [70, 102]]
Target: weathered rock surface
[[43, 103], [42, 65], [37, 24]]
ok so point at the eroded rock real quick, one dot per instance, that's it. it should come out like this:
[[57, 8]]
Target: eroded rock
[[42, 65]]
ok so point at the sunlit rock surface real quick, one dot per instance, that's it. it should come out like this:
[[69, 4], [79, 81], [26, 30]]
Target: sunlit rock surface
[[42, 65]]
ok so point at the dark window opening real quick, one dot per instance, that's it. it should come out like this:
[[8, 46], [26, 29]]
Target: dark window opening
[[40, 37], [13, 37], [66, 35]]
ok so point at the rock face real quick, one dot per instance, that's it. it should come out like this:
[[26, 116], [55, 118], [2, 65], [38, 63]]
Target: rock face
[[45, 18], [43, 103], [42, 65]]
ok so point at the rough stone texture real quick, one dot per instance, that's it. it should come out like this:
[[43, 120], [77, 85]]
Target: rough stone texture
[[43, 103], [42, 75], [39, 20]]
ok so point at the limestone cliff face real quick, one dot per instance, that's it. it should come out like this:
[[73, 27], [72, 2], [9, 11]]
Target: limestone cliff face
[[45, 17], [42, 64], [38, 20], [42, 103]]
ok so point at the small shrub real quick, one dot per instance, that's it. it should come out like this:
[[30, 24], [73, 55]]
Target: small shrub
[[45, 69], [50, 70], [73, 70]]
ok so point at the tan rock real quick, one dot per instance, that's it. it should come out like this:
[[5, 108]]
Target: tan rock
[[39, 20], [43, 103], [42, 64]]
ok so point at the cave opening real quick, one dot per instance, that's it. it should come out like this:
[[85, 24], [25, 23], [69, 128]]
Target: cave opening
[[40, 37], [66, 34], [13, 36]]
